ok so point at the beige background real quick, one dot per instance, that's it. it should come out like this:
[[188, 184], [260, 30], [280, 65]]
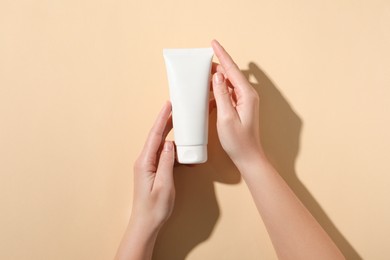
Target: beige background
[[81, 82]]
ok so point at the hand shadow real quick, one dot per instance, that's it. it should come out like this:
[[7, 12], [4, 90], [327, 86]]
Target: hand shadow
[[196, 209], [280, 129]]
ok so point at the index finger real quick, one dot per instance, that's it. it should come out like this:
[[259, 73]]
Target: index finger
[[232, 71], [161, 127]]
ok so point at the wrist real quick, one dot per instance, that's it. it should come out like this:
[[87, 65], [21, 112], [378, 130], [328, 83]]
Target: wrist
[[142, 232], [138, 241], [255, 171], [144, 223], [251, 160]]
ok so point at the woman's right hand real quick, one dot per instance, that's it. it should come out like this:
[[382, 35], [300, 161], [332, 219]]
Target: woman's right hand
[[237, 110], [238, 130]]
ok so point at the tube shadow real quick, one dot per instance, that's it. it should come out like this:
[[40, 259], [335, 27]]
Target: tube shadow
[[280, 129], [196, 208]]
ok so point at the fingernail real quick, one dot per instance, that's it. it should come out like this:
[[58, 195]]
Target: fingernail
[[168, 146], [218, 78]]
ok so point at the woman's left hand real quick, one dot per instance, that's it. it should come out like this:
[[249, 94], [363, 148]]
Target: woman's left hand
[[154, 190]]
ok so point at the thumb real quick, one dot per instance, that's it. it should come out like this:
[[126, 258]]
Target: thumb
[[222, 97], [164, 173]]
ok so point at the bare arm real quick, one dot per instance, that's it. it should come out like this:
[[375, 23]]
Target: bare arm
[[294, 232]]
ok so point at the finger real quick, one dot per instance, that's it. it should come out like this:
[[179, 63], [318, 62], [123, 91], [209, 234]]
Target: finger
[[164, 173], [222, 97], [168, 127], [231, 70], [214, 67], [232, 96], [212, 105], [219, 68], [156, 134]]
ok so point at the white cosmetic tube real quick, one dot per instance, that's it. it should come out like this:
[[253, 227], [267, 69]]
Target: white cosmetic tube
[[188, 73]]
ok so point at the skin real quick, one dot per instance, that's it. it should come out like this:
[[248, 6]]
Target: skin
[[294, 232]]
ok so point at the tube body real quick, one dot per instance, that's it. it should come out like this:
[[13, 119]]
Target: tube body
[[188, 72]]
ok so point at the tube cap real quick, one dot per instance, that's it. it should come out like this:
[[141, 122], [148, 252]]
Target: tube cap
[[191, 154]]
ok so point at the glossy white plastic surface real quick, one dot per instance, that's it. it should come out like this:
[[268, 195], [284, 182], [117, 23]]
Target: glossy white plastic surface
[[188, 73]]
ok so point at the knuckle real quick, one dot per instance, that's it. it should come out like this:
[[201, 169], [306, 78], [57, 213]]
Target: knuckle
[[164, 159], [231, 66], [222, 89], [166, 156]]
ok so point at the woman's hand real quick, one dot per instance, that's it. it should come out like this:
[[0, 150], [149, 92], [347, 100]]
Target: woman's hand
[[237, 110], [154, 191], [294, 232]]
